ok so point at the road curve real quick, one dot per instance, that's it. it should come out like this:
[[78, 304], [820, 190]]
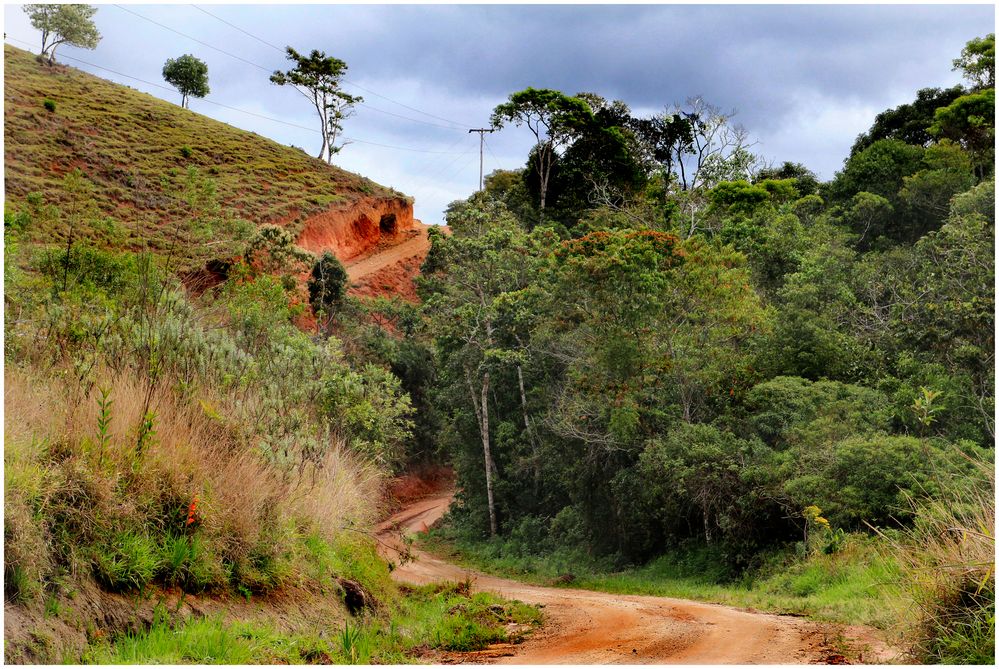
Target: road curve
[[586, 627]]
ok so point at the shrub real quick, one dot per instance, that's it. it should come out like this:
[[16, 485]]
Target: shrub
[[49, 105], [186, 151]]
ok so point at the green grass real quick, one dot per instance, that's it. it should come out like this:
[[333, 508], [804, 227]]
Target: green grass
[[444, 617], [856, 585], [136, 150]]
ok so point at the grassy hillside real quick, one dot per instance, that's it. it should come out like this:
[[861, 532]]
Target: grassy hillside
[[137, 150], [188, 476]]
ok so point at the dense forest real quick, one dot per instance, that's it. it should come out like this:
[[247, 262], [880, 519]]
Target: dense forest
[[648, 339]]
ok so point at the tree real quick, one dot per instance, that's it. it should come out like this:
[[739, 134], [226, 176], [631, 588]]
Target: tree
[[970, 121], [64, 24], [978, 61], [603, 166], [463, 284], [318, 77], [552, 117], [805, 180], [188, 75], [696, 147], [909, 122], [327, 288]]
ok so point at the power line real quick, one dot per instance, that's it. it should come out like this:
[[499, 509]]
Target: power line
[[265, 69], [348, 81], [498, 165], [232, 25], [193, 39], [237, 109]]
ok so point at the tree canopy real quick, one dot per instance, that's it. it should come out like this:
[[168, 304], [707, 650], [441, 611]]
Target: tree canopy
[[64, 24], [319, 78], [188, 75]]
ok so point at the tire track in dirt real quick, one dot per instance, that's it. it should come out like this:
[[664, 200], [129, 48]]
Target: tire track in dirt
[[587, 627]]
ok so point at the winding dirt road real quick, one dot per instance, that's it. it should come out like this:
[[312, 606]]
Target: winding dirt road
[[415, 246], [586, 627]]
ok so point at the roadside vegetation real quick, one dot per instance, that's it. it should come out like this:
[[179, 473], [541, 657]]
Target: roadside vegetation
[[429, 621], [166, 445], [664, 366], [656, 364]]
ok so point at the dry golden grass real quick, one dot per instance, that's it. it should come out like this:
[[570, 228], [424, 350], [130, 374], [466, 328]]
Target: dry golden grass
[[948, 573], [247, 509]]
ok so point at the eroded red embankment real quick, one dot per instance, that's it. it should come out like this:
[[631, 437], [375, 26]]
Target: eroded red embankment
[[357, 227]]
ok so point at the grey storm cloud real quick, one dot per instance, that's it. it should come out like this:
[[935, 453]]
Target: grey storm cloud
[[804, 79]]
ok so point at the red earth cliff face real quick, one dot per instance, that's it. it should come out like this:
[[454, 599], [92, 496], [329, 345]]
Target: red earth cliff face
[[357, 227]]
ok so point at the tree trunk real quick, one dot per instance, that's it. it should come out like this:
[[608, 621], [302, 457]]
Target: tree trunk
[[530, 433], [482, 414], [488, 455]]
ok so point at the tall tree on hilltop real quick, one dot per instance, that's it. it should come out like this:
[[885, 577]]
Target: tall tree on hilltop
[[63, 24], [318, 77], [188, 75], [552, 117]]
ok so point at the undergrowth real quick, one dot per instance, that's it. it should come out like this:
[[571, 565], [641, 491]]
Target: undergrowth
[[852, 585], [445, 617]]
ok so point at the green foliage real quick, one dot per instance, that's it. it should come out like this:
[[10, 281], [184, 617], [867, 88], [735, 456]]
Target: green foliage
[[970, 121], [125, 561], [188, 75], [49, 105], [327, 286], [791, 411], [878, 169], [372, 410], [318, 77], [64, 24], [909, 122], [978, 61]]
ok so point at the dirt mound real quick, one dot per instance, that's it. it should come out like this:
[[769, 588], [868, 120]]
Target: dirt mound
[[353, 230], [389, 268]]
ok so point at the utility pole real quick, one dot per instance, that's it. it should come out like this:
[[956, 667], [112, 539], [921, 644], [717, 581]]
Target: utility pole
[[482, 140]]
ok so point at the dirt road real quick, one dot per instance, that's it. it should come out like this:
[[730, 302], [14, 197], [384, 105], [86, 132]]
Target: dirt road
[[585, 627], [416, 245]]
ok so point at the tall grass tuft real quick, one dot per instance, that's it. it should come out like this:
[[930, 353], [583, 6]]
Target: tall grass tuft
[[79, 495], [948, 564]]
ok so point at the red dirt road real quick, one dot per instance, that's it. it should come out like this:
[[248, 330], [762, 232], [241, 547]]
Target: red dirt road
[[389, 270], [586, 627]]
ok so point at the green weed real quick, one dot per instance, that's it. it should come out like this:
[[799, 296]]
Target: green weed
[[128, 560]]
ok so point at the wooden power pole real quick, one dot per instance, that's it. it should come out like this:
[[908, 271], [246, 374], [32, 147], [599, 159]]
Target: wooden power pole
[[482, 140]]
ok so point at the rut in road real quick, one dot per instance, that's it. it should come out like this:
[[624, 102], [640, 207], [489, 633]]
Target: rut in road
[[586, 627]]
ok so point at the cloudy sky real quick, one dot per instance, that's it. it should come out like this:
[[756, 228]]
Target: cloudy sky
[[804, 80]]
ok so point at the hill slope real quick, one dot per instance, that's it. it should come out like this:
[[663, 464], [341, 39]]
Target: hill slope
[[136, 150]]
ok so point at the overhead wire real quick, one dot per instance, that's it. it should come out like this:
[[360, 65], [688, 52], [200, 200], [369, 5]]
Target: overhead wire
[[453, 126], [498, 165], [237, 109], [348, 81]]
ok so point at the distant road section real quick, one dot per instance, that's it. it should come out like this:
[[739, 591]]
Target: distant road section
[[586, 627]]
